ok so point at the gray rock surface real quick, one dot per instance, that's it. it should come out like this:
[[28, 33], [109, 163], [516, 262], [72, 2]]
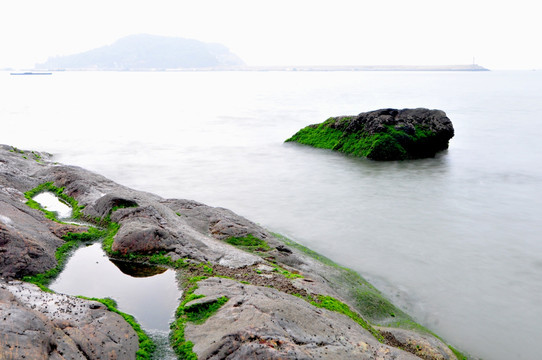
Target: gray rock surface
[[28, 240], [423, 345], [39, 325], [374, 122], [263, 323], [27, 244], [150, 227]]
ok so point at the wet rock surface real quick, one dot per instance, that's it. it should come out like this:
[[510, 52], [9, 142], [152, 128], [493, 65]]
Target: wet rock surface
[[407, 120], [261, 320], [263, 323], [27, 242], [39, 325], [424, 346]]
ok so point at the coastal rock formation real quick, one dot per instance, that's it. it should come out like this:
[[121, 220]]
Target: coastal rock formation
[[27, 244], [283, 300], [40, 325], [28, 240], [263, 323], [386, 134], [421, 345]]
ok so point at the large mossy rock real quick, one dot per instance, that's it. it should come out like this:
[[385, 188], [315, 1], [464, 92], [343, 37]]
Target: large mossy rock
[[386, 134]]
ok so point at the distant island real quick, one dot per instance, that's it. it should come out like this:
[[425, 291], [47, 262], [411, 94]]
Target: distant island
[[147, 52]]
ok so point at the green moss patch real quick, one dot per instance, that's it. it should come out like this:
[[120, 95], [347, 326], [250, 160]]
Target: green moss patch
[[368, 300], [59, 192], [389, 144], [107, 243], [248, 243], [34, 155], [330, 303], [286, 273], [458, 354], [313, 254], [197, 314]]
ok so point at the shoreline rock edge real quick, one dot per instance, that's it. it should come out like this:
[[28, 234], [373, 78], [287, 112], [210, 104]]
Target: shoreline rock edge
[[258, 321]]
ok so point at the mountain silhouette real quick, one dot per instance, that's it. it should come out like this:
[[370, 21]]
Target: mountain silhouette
[[140, 52]]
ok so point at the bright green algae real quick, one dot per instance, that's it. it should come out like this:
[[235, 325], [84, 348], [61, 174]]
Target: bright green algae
[[196, 314], [248, 243], [390, 144]]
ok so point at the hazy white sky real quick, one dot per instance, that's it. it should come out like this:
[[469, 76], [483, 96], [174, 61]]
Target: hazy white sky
[[499, 34]]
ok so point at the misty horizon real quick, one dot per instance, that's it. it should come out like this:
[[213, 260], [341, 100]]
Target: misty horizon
[[303, 33], [148, 52], [154, 52]]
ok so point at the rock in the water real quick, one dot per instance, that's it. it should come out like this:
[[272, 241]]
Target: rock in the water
[[386, 134]]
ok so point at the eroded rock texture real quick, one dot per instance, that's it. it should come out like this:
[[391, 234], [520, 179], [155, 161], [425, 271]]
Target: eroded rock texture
[[263, 323], [39, 325]]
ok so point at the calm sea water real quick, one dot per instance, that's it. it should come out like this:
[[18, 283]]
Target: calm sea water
[[456, 240]]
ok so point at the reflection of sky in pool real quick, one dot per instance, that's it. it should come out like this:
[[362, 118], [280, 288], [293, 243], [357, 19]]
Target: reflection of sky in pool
[[151, 300], [50, 202]]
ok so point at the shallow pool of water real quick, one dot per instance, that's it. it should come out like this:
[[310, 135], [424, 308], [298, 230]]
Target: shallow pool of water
[[50, 201], [147, 292], [152, 300]]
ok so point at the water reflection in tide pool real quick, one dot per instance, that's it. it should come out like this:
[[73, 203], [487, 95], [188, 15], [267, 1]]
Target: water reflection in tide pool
[[151, 296], [50, 202]]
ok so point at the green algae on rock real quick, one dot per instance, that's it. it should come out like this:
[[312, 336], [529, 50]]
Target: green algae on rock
[[385, 134]]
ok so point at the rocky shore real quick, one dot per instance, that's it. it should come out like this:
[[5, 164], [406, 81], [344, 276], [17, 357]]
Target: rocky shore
[[247, 293], [385, 134], [41, 325]]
